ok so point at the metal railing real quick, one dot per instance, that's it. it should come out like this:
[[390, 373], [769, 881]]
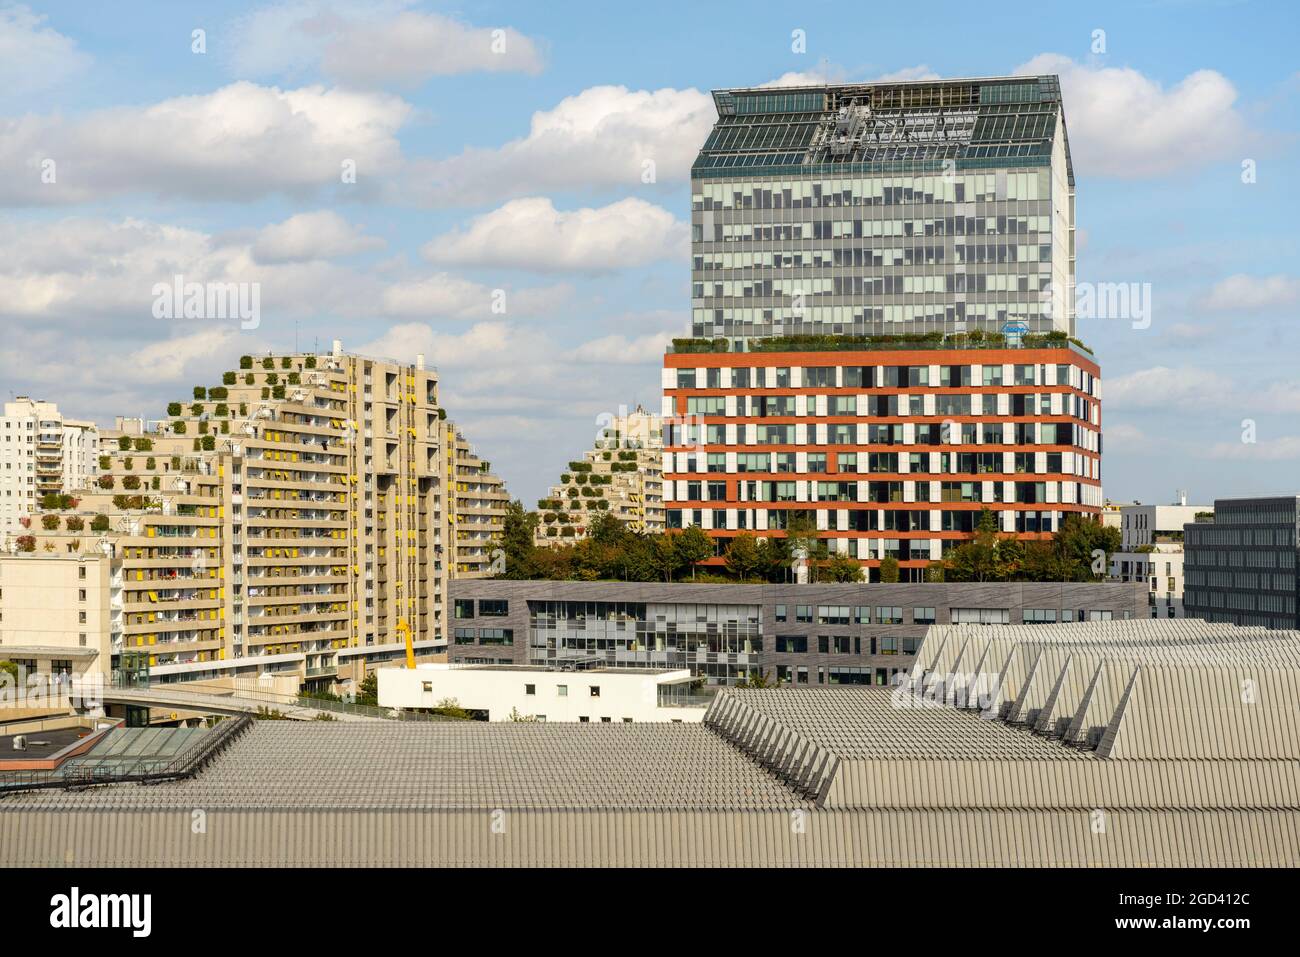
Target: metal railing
[[177, 693], [186, 764]]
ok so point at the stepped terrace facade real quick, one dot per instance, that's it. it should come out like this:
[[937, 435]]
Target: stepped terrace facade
[[286, 521]]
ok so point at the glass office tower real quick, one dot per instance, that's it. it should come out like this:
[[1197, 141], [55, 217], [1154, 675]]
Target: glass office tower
[[882, 322], [935, 206]]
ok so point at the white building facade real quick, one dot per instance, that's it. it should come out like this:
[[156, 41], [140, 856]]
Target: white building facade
[[541, 694], [1151, 551], [41, 452]]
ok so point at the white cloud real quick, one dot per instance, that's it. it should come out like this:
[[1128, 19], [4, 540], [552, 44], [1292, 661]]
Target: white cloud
[[1286, 448], [602, 137], [621, 350], [532, 234], [446, 296], [239, 142], [1121, 123], [1124, 436], [372, 42], [528, 403], [1242, 293], [169, 360], [799, 78], [98, 378], [72, 270], [411, 47], [492, 366], [1277, 397], [34, 57], [919, 72], [306, 236], [486, 342], [835, 73], [1161, 387], [1186, 333]]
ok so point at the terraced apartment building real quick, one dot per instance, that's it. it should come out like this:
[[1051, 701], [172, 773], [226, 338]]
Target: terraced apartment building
[[883, 321], [288, 520], [622, 475]]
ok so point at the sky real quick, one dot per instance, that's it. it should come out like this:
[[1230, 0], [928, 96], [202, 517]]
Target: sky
[[504, 188]]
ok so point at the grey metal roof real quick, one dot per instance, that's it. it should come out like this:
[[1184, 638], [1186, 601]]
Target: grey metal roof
[[280, 764], [1163, 744], [1156, 688]]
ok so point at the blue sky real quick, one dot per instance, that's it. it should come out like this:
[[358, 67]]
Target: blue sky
[[518, 168]]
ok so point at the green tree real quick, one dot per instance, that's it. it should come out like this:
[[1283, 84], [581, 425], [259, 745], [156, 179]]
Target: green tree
[[745, 558], [758, 679], [663, 556], [889, 569], [693, 545], [1085, 546], [606, 530], [516, 540], [801, 534], [368, 689], [978, 560], [842, 568], [776, 559], [450, 708]]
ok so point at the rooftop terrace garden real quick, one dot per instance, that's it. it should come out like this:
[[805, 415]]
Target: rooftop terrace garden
[[976, 339]]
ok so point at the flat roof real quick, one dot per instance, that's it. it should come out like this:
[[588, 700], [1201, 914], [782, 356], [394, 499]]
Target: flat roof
[[445, 666], [40, 744]]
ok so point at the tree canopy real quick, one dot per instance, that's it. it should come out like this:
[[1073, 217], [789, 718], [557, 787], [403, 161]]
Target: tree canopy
[[1078, 551]]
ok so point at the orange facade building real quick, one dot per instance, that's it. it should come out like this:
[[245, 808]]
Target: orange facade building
[[893, 452]]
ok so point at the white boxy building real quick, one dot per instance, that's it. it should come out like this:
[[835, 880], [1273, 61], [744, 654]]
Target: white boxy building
[[546, 694]]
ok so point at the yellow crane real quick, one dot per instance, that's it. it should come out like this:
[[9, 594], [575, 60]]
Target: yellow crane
[[405, 630]]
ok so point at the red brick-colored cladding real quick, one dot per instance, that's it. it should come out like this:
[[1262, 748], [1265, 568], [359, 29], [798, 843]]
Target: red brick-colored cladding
[[902, 357]]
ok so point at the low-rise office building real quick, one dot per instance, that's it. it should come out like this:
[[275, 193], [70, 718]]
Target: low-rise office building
[[800, 634], [1152, 552], [541, 693], [1241, 567]]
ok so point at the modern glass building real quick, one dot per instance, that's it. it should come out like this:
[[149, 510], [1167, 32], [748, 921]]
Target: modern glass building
[[817, 634], [1241, 567], [883, 326], [884, 208]]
